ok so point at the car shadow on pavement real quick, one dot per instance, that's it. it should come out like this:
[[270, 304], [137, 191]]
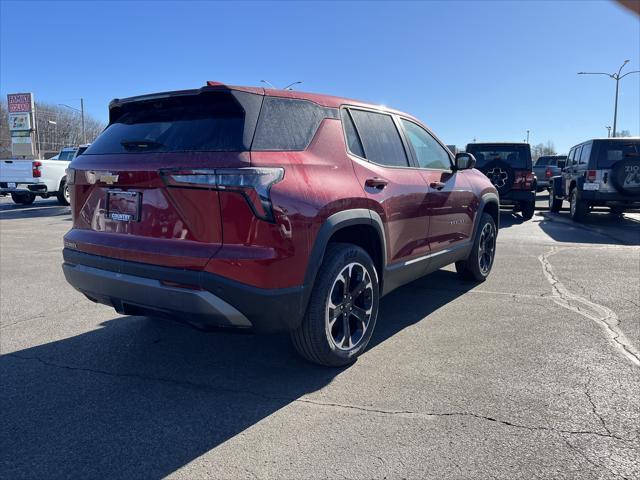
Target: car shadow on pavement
[[598, 228], [142, 397], [508, 219], [38, 209]]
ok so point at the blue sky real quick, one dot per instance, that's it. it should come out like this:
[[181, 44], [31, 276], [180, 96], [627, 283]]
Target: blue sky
[[489, 70]]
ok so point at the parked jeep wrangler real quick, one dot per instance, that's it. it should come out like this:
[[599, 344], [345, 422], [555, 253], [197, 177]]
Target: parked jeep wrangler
[[271, 210], [508, 166], [599, 172]]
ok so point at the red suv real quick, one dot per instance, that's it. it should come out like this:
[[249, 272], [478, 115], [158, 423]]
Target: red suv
[[271, 210]]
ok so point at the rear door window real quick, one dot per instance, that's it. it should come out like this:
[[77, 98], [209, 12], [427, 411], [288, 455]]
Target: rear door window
[[429, 153], [576, 155], [380, 138], [586, 153], [611, 152], [353, 140]]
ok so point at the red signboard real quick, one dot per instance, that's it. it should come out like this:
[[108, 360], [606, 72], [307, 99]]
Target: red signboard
[[19, 102]]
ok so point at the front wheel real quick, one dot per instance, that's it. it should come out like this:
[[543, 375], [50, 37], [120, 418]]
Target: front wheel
[[480, 261], [578, 208], [555, 204], [26, 198], [342, 310]]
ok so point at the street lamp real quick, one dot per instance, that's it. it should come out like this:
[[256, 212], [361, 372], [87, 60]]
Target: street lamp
[[608, 127], [84, 137], [617, 77]]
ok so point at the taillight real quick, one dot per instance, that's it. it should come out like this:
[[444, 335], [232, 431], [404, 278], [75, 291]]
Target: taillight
[[591, 175], [254, 183], [35, 168], [525, 178], [71, 176], [548, 173]]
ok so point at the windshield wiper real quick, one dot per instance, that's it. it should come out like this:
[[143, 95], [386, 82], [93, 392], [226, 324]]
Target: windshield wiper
[[141, 144]]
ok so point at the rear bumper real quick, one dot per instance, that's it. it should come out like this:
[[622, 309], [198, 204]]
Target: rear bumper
[[517, 196], [609, 198], [23, 188], [196, 297]]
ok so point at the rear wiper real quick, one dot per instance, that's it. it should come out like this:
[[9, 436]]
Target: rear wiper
[[141, 144]]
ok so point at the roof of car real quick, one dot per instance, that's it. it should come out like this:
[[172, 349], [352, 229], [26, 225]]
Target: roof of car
[[497, 143], [329, 101]]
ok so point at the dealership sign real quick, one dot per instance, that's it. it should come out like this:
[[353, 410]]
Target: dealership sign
[[20, 102], [19, 121], [22, 124]]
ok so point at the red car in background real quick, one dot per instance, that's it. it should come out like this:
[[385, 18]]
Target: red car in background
[[271, 210]]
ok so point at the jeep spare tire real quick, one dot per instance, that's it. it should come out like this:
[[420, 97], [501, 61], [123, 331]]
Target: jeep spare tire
[[501, 175], [625, 176]]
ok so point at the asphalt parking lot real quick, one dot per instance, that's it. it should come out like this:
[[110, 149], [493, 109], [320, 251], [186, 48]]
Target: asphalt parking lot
[[533, 374]]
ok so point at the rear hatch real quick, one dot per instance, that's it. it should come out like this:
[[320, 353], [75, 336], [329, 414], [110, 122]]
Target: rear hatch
[[617, 167], [507, 165], [16, 171], [140, 191]]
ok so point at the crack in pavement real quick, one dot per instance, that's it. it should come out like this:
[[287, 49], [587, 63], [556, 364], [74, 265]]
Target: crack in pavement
[[593, 406], [600, 314], [401, 413], [595, 464]]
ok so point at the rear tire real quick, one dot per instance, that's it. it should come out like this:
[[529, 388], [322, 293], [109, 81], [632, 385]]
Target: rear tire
[[616, 211], [528, 210], [477, 266], [578, 208], [342, 310], [63, 194], [555, 204], [23, 198]]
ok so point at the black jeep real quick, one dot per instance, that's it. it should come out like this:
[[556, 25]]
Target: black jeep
[[600, 172], [508, 166]]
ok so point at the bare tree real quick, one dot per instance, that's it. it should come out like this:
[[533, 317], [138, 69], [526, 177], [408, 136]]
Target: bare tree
[[541, 149], [624, 133], [57, 127]]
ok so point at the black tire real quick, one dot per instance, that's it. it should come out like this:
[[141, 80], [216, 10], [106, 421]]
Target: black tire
[[555, 204], [63, 194], [471, 269], [625, 176], [578, 207], [528, 210], [23, 198], [616, 211], [315, 338]]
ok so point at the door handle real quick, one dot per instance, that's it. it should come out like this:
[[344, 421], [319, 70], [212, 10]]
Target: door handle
[[376, 182], [437, 185]]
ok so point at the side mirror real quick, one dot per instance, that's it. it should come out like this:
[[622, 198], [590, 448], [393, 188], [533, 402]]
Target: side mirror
[[465, 161]]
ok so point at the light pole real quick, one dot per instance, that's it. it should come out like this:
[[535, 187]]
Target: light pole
[[527, 136], [608, 127], [617, 77], [84, 137]]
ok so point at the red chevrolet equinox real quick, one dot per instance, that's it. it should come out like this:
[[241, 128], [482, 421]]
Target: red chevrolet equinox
[[271, 210]]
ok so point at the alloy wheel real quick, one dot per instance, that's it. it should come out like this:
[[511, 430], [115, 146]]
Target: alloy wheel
[[65, 192], [349, 307], [486, 248]]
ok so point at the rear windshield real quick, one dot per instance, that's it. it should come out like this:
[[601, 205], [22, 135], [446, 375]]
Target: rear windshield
[[205, 122], [555, 161], [612, 152], [66, 155], [517, 156]]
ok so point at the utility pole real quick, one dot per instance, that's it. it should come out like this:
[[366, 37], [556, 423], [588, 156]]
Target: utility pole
[[617, 77], [84, 136]]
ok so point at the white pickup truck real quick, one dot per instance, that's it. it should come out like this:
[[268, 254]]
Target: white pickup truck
[[26, 179]]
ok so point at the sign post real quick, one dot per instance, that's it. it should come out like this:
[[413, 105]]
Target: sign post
[[22, 124]]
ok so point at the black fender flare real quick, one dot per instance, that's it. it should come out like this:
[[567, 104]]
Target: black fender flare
[[334, 223], [486, 199]]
